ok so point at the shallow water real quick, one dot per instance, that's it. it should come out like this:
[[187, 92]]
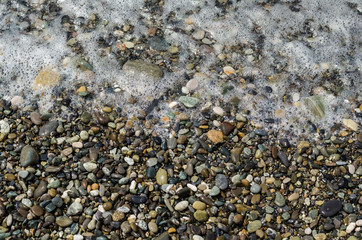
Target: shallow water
[[283, 54]]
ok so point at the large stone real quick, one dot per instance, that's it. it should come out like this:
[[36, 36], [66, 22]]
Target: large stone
[[201, 216], [330, 208], [135, 67], [221, 181], [253, 226], [28, 156]]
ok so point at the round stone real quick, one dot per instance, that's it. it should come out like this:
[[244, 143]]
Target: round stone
[[161, 176], [181, 205], [330, 208], [28, 156], [107, 206], [198, 205], [152, 226], [201, 216], [215, 136], [64, 221], [89, 166], [221, 181], [255, 188]]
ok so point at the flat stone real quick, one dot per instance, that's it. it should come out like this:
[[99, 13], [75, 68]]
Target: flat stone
[[37, 210], [227, 128], [215, 136], [64, 221], [41, 189], [136, 67], [331, 208], [198, 205], [163, 236], [349, 123], [284, 158], [48, 128], [28, 156], [152, 226], [189, 102], [46, 79], [253, 226], [279, 199]]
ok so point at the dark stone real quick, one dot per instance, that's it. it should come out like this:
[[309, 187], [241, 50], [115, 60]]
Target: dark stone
[[227, 128], [48, 128], [139, 199], [284, 143], [330, 208], [284, 158], [28, 156]]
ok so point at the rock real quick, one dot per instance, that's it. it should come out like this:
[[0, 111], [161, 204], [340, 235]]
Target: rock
[[28, 156], [320, 236], [189, 102], [215, 136], [151, 162], [161, 176], [139, 199], [284, 158], [86, 117], [89, 166], [48, 128], [75, 208], [181, 205], [46, 79], [198, 35], [201, 216], [37, 210], [41, 189], [198, 205], [349, 123], [293, 196], [126, 227], [163, 236], [136, 67], [253, 226], [35, 118], [214, 191], [218, 110], [255, 188], [226, 128], [64, 221], [331, 208], [192, 84], [152, 226], [316, 105], [279, 199], [221, 181]]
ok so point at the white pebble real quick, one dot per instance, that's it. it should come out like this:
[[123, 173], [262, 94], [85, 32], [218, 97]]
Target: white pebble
[[173, 104], [308, 231], [199, 35], [77, 145], [351, 169], [197, 237], [4, 127], [78, 237], [351, 227], [192, 187], [192, 84], [185, 90], [17, 100], [129, 161], [181, 205], [218, 110], [359, 223], [216, 123], [296, 97]]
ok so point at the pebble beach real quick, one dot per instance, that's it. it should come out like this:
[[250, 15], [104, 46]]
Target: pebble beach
[[195, 120]]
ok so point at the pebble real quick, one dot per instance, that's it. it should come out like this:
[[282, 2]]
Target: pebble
[[330, 208], [349, 123], [221, 181], [218, 110], [63, 221], [189, 102], [75, 208], [161, 176], [135, 67], [48, 128], [181, 206], [198, 205], [215, 136], [89, 166], [192, 84], [279, 200], [152, 226], [28, 156], [35, 118], [201, 216], [255, 188], [253, 226]]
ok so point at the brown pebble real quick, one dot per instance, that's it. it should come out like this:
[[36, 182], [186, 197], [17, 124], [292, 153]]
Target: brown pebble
[[274, 152], [102, 119], [215, 136], [37, 210], [227, 128], [35, 118]]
